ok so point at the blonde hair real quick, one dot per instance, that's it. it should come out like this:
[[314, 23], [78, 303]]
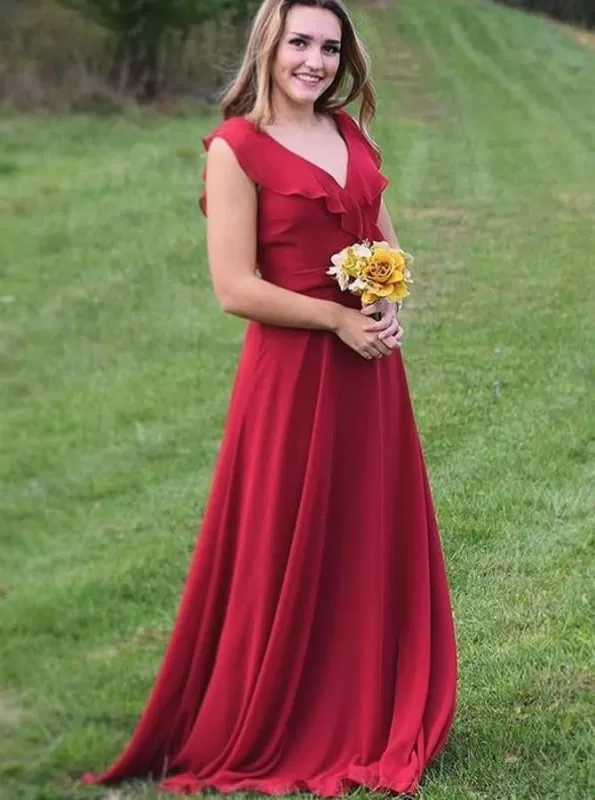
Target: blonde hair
[[249, 94]]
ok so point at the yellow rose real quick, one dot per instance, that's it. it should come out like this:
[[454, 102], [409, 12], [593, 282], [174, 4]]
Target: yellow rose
[[384, 275]]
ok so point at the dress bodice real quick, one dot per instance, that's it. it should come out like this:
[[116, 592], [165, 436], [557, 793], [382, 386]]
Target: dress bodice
[[304, 214]]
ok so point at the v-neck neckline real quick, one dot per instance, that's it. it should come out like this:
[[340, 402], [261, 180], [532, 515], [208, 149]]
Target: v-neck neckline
[[341, 131]]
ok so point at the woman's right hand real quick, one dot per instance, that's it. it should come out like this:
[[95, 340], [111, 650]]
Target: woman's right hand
[[351, 330]]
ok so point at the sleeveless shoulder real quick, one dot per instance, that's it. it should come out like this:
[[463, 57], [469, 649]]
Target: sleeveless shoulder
[[239, 135]]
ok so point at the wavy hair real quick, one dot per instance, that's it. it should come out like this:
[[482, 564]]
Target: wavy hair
[[249, 94]]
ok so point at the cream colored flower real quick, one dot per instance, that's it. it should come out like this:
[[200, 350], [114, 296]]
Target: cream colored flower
[[348, 263]]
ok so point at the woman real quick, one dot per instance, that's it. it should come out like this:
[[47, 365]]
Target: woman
[[314, 646]]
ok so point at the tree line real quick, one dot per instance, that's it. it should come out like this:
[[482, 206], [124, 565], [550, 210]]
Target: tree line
[[101, 54], [580, 12]]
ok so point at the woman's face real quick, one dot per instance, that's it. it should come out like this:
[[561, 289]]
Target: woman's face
[[308, 55]]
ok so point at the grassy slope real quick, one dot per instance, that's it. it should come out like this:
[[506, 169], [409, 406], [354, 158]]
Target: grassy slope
[[116, 367]]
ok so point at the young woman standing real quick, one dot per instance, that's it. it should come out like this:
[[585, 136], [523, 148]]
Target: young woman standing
[[314, 647]]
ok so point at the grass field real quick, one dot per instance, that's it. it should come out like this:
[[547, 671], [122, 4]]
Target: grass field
[[116, 366]]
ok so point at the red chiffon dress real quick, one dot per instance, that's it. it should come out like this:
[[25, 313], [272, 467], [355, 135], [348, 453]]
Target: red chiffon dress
[[314, 647]]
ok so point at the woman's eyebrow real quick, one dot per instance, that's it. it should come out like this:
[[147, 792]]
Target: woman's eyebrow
[[309, 38]]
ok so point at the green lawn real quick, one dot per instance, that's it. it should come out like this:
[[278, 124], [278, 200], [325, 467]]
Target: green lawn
[[116, 366]]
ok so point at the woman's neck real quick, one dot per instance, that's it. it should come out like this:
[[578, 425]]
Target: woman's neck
[[289, 115]]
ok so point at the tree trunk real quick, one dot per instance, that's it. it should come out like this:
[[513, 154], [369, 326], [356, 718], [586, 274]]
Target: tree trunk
[[136, 62], [150, 82]]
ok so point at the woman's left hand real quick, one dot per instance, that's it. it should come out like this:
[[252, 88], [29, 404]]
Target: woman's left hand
[[388, 328]]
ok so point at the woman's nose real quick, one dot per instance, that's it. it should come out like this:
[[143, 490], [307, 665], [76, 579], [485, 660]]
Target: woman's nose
[[314, 58]]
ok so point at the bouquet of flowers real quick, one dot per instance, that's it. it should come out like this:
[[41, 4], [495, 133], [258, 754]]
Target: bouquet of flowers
[[374, 270]]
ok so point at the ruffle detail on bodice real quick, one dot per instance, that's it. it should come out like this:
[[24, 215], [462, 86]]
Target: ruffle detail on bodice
[[263, 160]]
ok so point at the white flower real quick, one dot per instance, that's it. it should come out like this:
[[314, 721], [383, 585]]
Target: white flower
[[341, 276], [339, 258], [358, 286], [361, 251]]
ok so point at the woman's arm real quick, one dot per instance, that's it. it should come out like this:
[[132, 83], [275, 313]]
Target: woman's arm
[[386, 226], [231, 247]]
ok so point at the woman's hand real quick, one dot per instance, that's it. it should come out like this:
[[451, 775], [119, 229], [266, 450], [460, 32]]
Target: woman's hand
[[387, 327], [354, 330]]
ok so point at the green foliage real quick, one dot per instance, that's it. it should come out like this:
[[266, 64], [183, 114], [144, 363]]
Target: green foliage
[[125, 16], [141, 27], [238, 11]]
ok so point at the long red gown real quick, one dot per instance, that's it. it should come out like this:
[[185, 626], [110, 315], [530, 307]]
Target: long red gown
[[314, 648]]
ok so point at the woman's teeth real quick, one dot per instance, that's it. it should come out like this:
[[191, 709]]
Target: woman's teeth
[[308, 79]]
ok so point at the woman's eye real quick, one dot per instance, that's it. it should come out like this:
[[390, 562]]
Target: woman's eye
[[328, 49]]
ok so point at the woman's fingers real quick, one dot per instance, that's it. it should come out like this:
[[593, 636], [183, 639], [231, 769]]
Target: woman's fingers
[[398, 337], [394, 343], [387, 346], [389, 331], [383, 307], [378, 349], [374, 308], [379, 338]]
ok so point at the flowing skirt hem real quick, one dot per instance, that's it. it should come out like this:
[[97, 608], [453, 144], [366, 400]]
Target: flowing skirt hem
[[334, 785]]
